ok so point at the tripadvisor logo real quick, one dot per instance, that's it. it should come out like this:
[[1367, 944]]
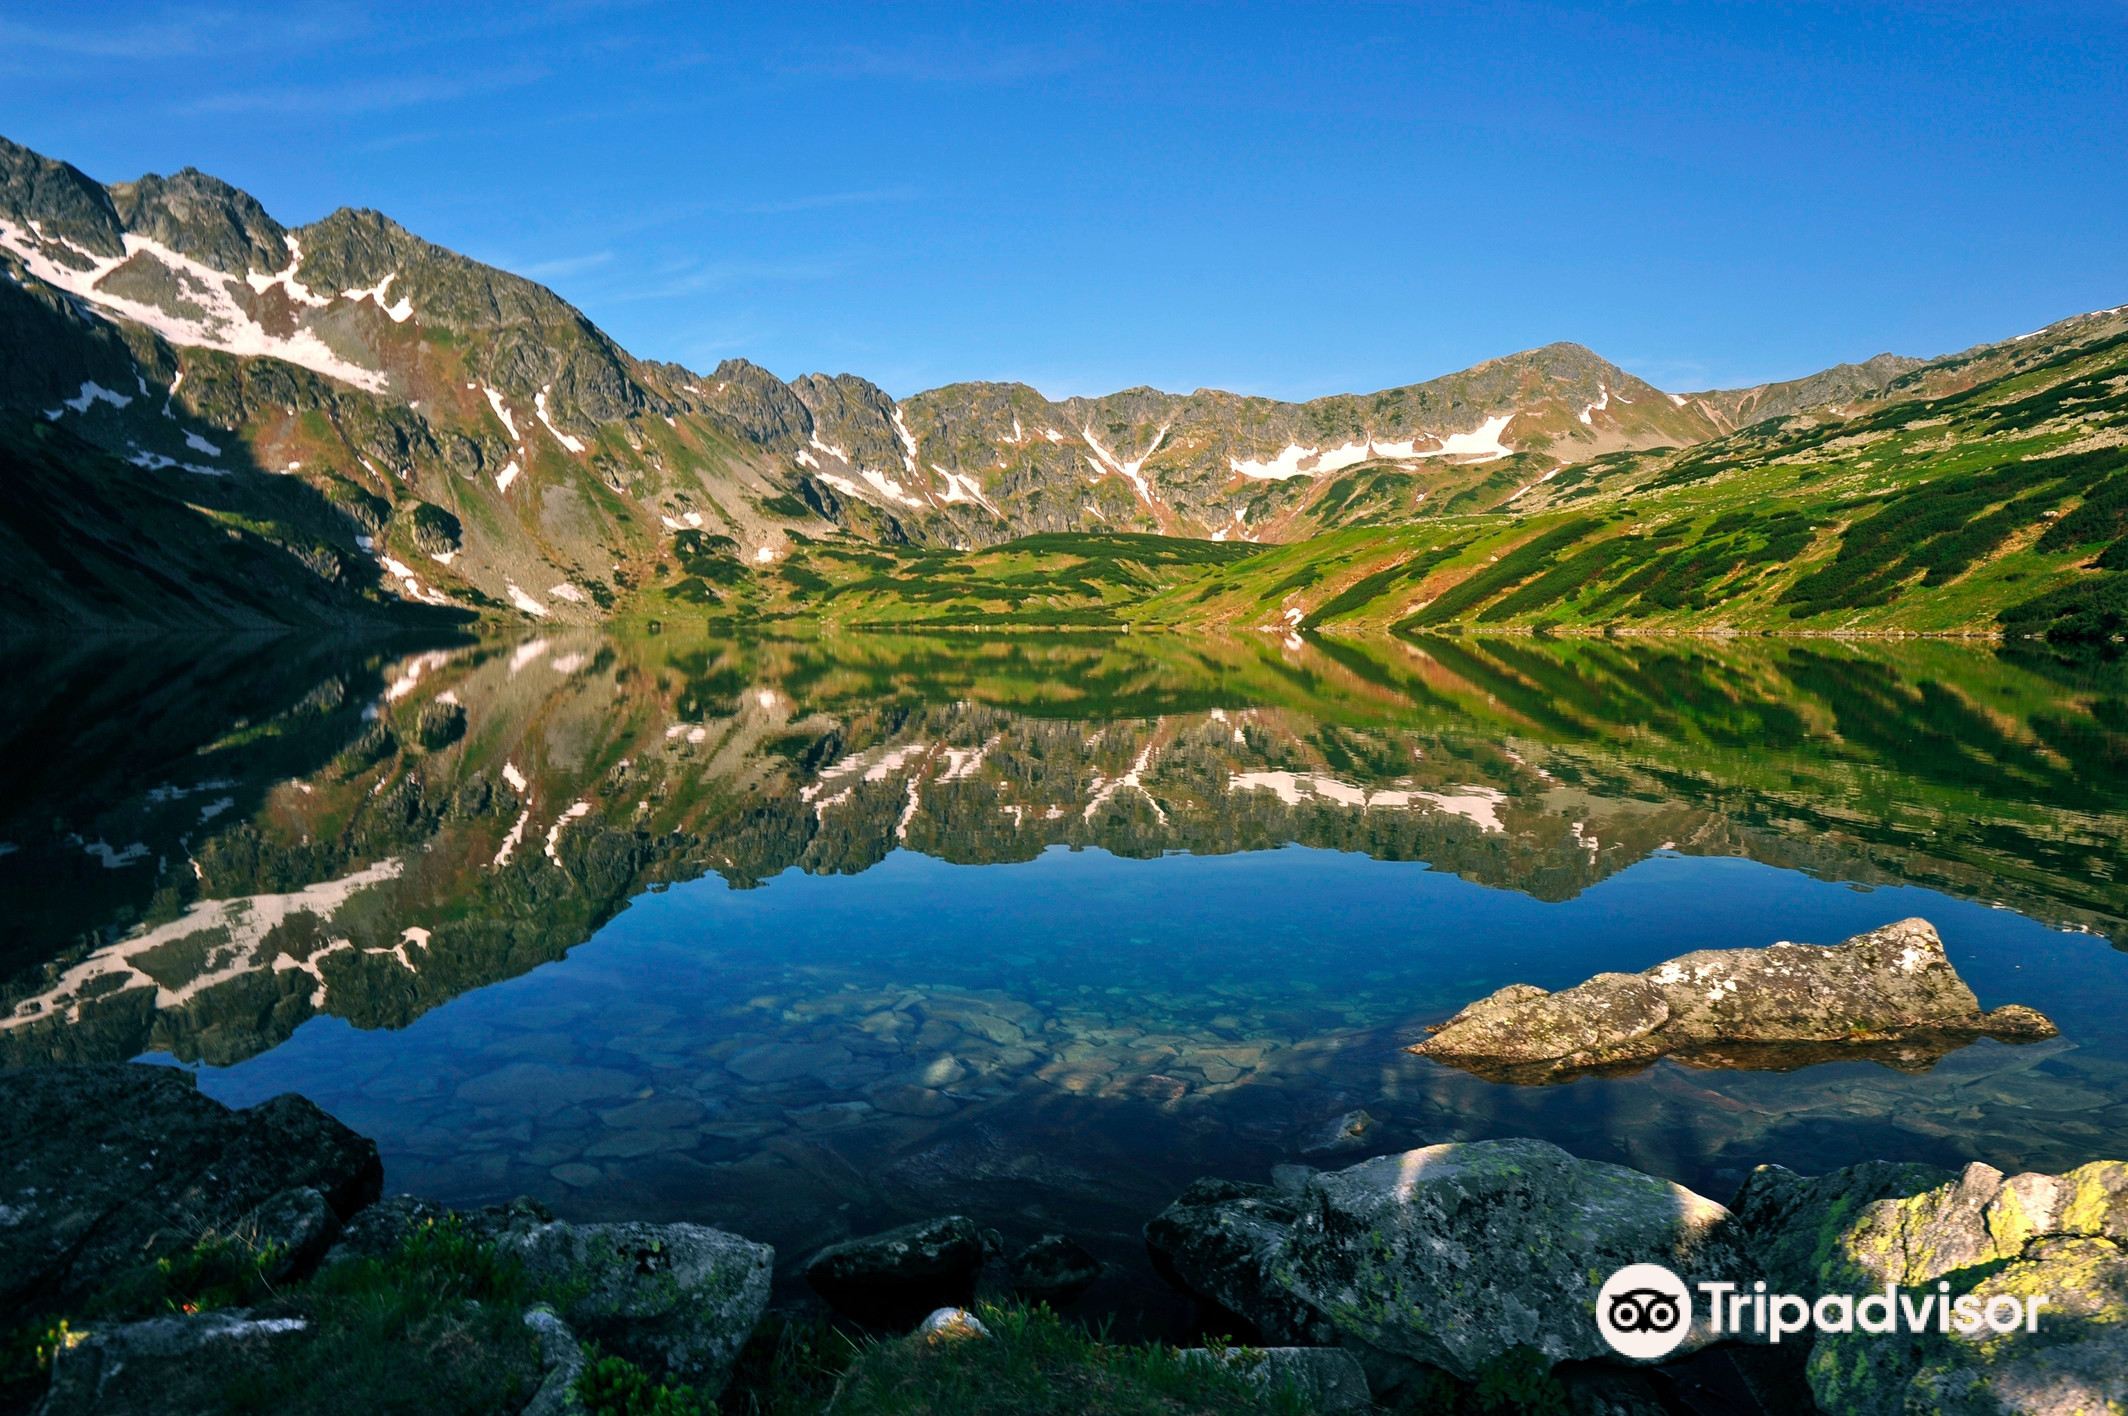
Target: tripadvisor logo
[[1644, 1311]]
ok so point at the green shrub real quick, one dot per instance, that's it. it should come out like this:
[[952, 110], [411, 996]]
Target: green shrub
[[615, 1386]]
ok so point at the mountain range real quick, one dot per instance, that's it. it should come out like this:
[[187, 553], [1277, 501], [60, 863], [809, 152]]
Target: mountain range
[[211, 417]]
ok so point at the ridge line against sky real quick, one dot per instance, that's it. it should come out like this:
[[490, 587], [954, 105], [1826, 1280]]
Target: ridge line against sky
[[1282, 200]]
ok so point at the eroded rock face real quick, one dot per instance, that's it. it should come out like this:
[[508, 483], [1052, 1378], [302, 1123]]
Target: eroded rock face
[[1890, 995], [1988, 1235], [104, 1168], [1450, 1255], [895, 1278]]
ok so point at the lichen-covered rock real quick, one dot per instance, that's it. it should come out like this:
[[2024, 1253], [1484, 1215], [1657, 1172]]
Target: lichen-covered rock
[[1454, 1255], [105, 1168], [1219, 1240], [163, 1364], [679, 1299], [290, 1231], [1796, 1223], [893, 1279], [1987, 1235], [1450, 1256], [1890, 995], [561, 1360]]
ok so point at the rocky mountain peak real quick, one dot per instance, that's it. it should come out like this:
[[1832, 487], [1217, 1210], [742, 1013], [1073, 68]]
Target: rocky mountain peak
[[59, 202], [204, 218]]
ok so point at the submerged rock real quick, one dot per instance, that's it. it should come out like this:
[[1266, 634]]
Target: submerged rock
[[1990, 1236], [894, 1279], [106, 1168], [1450, 1256], [1890, 995]]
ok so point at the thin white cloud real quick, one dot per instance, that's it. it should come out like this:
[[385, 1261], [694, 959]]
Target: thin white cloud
[[370, 95], [558, 266], [179, 33], [934, 62], [819, 201], [699, 277]]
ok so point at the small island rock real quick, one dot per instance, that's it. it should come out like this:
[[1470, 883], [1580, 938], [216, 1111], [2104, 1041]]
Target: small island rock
[[1890, 995]]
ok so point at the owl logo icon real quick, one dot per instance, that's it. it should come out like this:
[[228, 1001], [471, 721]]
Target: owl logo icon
[[1644, 1311]]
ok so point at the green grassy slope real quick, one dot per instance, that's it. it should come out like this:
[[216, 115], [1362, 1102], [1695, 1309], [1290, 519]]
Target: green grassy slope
[[2002, 505]]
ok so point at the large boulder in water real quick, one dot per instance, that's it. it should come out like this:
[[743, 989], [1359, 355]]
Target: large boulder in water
[[1988, 1236], [107, 1168], [1890, 995], [1451, 1256]]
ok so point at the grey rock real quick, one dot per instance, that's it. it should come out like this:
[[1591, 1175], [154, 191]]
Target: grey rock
[[561, 1360], [893, 1279], [674, 1298], [1449, 1256], [104, 1168], [296, 1226], [162, 1365], [1220, 1240], [1890, 994]]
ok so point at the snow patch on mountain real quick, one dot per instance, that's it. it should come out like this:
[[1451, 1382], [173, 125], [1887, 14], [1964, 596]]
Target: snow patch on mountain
[[961, 488], [221, 323], [502, 411], [293, 288], [1130, 471], [539, 404], [908, 440], [91, 392], [375, 294]]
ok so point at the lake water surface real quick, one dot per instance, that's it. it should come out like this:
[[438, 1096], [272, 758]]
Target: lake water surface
[[810, 939]]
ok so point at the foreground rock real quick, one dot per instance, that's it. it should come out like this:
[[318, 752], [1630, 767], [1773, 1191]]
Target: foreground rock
[[894, 1279], [679, 1299], [106, 1168], [1987, 1235], [1451, 1256], [674, 1298], [164, 1364], [1890, 994]]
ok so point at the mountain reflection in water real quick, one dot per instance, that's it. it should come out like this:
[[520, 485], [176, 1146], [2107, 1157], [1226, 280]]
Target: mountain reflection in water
[[341, 869]]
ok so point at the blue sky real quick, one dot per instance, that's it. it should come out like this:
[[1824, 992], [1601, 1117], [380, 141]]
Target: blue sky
[[1290, 200]]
